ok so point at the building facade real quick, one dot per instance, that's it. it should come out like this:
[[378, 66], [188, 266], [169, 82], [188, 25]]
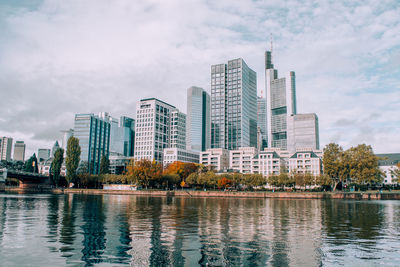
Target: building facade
[[19, 151], [303, 132], [233, 105], [215, 158], [54, 148], [241, 159], [387, 164], [43, 154], [152, 129], [281, 103], [64, 141], [93, 133], [177, 154], [5, 148], [262, 134], [198, 119], [178, 129], [122, 136], [306, 161]]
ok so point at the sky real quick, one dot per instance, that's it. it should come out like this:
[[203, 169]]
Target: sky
[[59, 58]]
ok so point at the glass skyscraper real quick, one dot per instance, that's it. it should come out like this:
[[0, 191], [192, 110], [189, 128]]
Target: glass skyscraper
[[281, 103], [93, 133], [233, 105], [262, 123], [198, 119]]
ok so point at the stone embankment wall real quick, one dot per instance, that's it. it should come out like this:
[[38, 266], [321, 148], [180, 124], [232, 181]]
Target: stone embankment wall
[[283, 195]]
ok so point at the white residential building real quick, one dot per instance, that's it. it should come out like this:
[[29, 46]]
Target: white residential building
[[306, 161], [269, 162], [241, 159], [177, 154], [45, 166], [387, 164], [152, 129], [217, 158]]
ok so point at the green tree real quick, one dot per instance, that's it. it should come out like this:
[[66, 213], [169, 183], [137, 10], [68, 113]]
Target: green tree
[[56, 165], [323, 180], [299, 179], [396, 173], [309, 179], [363, 165], [31, 165], [72, 159], [273, 180], [335, 163], [104, 165], [192, 179]]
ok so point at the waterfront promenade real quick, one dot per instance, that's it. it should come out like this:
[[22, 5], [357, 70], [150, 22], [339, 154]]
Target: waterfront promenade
[[367, 195]]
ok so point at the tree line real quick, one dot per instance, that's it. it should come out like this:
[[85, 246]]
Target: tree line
[[356, 165]]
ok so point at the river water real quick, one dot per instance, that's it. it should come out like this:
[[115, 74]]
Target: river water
[[117, 230]]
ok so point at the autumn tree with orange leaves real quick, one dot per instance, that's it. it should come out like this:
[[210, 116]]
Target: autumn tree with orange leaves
[[144, 172], [180, 168], [224, 182]]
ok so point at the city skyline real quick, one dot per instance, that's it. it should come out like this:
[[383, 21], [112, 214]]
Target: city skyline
[[340, 63]]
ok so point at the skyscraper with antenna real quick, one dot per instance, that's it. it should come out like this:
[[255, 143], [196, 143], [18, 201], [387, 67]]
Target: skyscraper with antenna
[[281, 102]]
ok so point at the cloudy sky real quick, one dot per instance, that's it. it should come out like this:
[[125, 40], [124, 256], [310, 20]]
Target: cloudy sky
[[58, 58]]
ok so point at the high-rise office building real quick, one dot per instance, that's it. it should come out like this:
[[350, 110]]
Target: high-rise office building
[[198, 119], [262, 137], [93, 133], [152, 129], [303, 132], [178, 129], [54, 148], [5, 148], [233, 105], [19, 151], [122, 136], [65, 136], [281, 103], [128, 125], [43, 154]]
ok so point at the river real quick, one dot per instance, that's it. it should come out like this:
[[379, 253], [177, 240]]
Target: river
[[118, 230]]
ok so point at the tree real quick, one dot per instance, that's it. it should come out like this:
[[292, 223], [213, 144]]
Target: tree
[[104, 165], [323, 180], [224, 182], [72, 159], [299, 179], [335, 163], [31, 165], [273, 180], [192, 179], [396, 173], [145, 172], [363, 165], [309, 179], [182, 169], [254, 180], [56, 165]]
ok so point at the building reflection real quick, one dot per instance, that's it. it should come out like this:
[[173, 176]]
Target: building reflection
[[93, 229]]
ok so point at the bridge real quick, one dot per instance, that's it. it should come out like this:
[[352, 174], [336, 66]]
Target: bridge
[[26, 179]]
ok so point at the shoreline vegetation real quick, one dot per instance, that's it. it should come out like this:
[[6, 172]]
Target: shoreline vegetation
[[366, 195]]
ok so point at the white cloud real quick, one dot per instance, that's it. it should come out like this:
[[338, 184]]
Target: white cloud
[[66, 57]]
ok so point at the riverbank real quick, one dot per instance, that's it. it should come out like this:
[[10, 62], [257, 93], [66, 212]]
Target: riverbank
[[223, 194]]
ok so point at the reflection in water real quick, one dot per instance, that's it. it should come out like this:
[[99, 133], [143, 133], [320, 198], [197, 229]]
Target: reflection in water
[[90, 230]]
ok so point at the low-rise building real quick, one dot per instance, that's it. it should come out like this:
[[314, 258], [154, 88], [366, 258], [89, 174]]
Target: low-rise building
[[241, 159], [177, 154], [44, 167], [387, 164], [269, 162], [305, 161], [216, 158]]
